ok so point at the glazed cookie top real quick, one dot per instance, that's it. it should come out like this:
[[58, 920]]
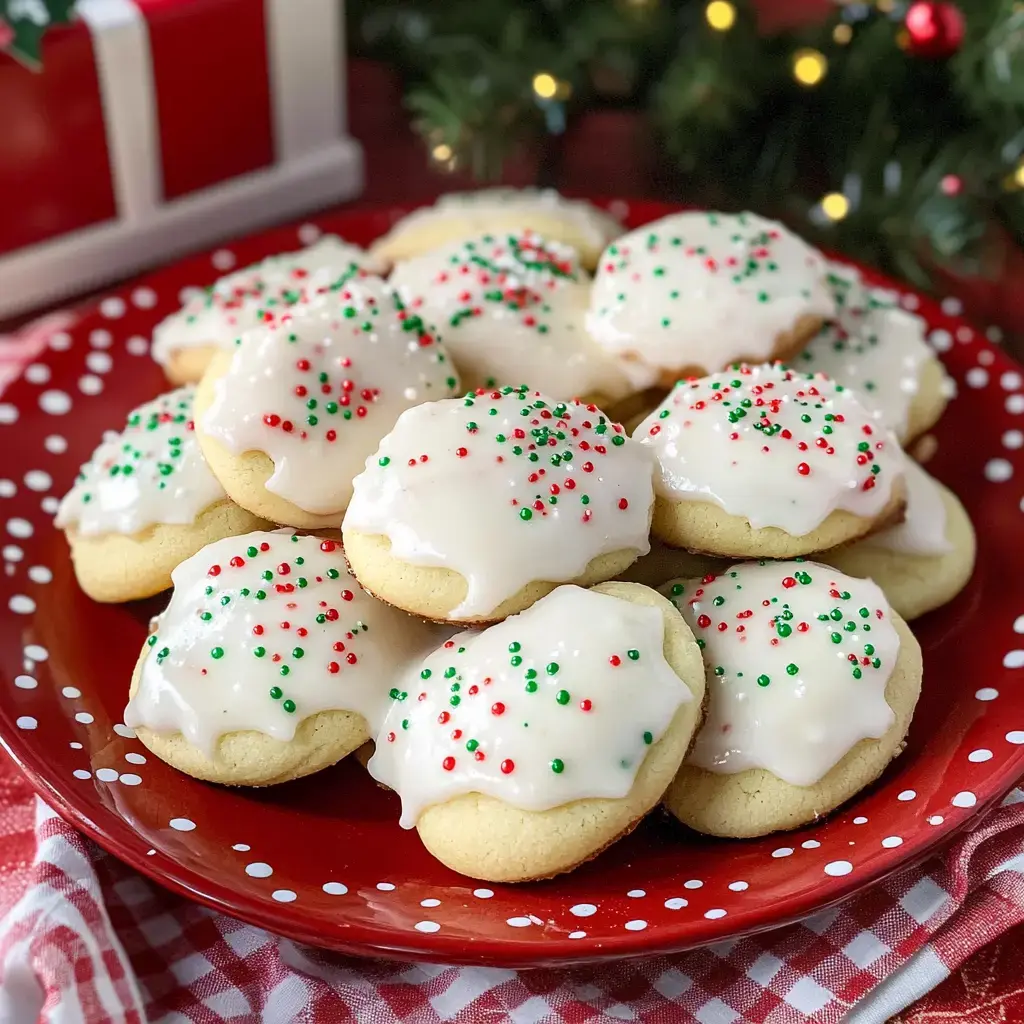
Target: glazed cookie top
[[505, 488], [872, 346], [318, 389], [558, 703], [777, 447], [512, 306], [263, 631], [703, 290], [151, 472], [798, 656], [257, 294], [923, 530]]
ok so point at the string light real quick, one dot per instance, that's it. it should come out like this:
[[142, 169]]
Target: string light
[[544, 85], [809, 67], [441, 153], [720, 15], [842, 34], [1018, 175], [835, 206]]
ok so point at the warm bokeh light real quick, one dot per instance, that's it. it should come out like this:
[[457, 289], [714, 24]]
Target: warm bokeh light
[[835, 206], [544, 85], [842, 34], [720, 15], [442, 152], [809, 67]]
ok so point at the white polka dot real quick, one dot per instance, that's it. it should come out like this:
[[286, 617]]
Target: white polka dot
[[693, 883], [577, 935], [891, 842], [37, 652], [50, 505], [936, 819], [123, 730], [1016, 737], [144, 298], [386, 886], [223, 259], [907, 794], [90, 384], [952, 306], [964, 799], [583, 909], [1011, 380], [427, 926], [26, 722], [715, 914], [1018, 624], [998, 470], [976, 377], [519, 922], [101, 338], [12, 553], [739, 886], [810, 844], [8, 413], [106, 774], [838, 867], [60, 341], [636, 893], [37, 373], [335, 888], [188, 293], [39, 574], [676, 903], [964, 335], [25, 682], [130, 779], [56, 403], [75, 745], [149, 853], [71, 691], [782, 851], [309, 233], [1015, 404], [284, 895], [977, 756], [113, 308], [259, 869], [483, 894], [99, 362], [81, 773], [635, 926], [241, 847], [986, 693], [21, 604], [940, 340], [1013, 439], [133, 758], [8, 488], [37, 480], [20, 527], [55, 444], [1013, 659], [430, 903], [84, 717], [618, 208], [986, 358], [136, 346]]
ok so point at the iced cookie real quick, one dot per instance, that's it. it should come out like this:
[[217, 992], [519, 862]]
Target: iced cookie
[[695, 292], [762, 461], [287, 418], [521, 751], [473, 508], [926, 560], [186, 341], [145, 501], [461, 215], [812, 682], [878, 350], [512, 309], [269, 663]]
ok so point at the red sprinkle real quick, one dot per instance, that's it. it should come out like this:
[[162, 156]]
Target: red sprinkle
[[508, 767], [448, 763], [497, 708]]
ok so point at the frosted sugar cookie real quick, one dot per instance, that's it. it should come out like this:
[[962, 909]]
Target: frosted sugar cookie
[[461, 215], [269, 663], [524, 750], [185, 342], [879, 351], [762, 461], [512, 309], [473, 508], [693, 293], [145, 501], [289, 416], [812, 682], [923, 562]]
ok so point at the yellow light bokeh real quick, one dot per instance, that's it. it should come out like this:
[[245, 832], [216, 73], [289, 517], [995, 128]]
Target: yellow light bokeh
[[842, 34], [835, 206], [809, 67], [720, 15], [544, 85], [885, 6], [1018, 175], [442, 152]]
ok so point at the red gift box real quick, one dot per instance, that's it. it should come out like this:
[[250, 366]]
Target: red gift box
[[156, 126]]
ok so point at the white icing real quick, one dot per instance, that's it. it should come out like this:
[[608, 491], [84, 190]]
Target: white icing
[[873, 347], [738, 439], [152, 472], [318, 389], [505, 488], [703, 290], [512, 308], [923, 531], [207, 677], [797, 675], [239, 301], [544, 708]]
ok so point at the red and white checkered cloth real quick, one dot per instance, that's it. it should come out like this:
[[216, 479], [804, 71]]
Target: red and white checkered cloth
[[84, 939]]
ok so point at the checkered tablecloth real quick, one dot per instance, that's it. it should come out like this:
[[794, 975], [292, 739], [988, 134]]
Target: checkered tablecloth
[[84, 939]]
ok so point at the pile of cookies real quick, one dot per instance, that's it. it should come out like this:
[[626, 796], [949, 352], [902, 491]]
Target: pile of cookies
[[401, 517]]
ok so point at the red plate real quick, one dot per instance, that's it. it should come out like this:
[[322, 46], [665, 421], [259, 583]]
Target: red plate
[[323, 859]]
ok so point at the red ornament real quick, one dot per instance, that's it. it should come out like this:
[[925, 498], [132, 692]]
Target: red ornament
[[935, 29]]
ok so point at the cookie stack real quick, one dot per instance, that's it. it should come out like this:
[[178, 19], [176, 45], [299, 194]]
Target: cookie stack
[[402, 516]]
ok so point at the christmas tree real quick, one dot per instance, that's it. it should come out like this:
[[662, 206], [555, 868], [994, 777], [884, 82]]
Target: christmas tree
[[890, 131]]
